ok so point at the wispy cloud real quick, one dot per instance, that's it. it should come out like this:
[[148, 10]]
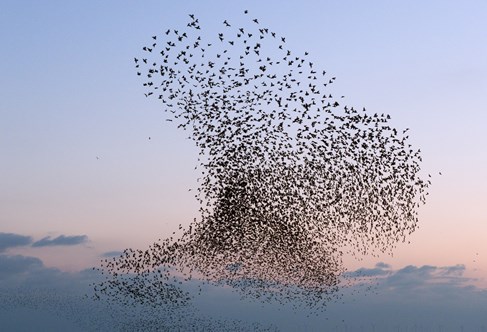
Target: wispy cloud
[[380, 269], [112, 254], [10, 240], [61, 240]]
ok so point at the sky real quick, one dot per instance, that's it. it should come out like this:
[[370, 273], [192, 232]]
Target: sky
[[80, 179]]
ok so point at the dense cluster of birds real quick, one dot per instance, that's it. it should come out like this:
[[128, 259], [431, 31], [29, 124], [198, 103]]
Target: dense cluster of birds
[[291, 179]]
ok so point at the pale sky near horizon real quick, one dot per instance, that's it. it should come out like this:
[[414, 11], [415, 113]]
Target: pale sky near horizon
[[75, 158]]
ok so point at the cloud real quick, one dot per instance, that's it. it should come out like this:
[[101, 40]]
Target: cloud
[[30, 273], [427, 277], [61, 241], [380, 269], [11, 266], [382, 265], [414, 278], [109, 254], [10, 240], [35, 297], [411, 298], [421, 296]]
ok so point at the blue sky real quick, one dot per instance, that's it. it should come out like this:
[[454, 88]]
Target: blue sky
[[80, 178]]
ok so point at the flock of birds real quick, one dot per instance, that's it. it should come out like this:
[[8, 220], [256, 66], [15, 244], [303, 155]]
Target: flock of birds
[[291, 179], [82, 314]]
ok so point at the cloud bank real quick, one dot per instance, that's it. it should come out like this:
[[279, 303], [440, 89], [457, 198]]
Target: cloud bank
[[14, 266], [34, 297], [421, 297]]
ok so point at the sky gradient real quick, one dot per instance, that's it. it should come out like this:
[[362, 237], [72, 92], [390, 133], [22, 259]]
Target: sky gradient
[[80, 178]]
